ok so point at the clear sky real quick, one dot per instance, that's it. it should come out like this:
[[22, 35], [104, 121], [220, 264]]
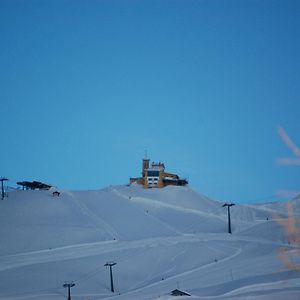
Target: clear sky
[[87, 86]]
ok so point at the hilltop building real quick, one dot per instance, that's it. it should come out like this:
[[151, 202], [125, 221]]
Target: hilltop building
[[156, 177]]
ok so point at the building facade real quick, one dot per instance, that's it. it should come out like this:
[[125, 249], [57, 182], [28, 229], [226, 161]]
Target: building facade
[[154, 176]]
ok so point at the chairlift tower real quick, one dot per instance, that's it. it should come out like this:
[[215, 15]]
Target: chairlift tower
[[2, 188], [228, 212], [68, 285], [110, 265]]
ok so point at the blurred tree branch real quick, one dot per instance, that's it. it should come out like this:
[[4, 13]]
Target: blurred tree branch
[[287, 140], [290, 224]]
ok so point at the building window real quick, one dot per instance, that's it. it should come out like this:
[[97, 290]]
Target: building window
[[153, 173]]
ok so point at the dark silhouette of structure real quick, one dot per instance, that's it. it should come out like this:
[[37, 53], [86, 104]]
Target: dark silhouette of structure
[[55, 194], [110, 265], [228, 210], [2, 188], [27, 185], [69, 285], [179, 293]]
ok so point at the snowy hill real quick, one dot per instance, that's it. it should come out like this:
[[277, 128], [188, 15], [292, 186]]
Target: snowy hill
[[161, 240]]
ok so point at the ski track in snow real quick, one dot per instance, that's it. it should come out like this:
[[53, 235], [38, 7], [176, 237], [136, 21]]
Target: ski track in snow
[[98, 248], [277, 285], [180, 275], [172, 229], [98, 221], [86, 250], [157, 203]]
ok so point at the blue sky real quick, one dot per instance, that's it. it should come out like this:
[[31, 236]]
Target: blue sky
[[87, 86]]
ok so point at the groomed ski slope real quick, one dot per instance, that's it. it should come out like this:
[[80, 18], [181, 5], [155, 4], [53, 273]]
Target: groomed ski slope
[[161, 240]]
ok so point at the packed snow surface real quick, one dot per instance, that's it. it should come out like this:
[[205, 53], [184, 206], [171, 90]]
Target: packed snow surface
[[160, 239]]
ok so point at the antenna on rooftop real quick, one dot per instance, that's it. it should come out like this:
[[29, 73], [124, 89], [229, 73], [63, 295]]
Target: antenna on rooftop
[[146, 153]]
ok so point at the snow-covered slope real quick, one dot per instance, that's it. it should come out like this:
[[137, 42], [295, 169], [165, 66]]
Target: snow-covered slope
[[161, 239]]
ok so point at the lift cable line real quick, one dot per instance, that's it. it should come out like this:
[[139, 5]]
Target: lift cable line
[[228, 210], [68, 285], [111, 264], [2, 188]]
